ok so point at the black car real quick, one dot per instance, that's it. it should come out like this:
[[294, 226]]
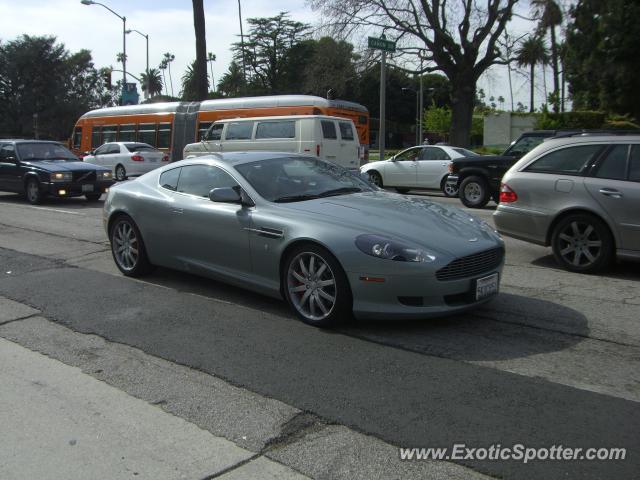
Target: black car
[[478, 178], [38, 168]]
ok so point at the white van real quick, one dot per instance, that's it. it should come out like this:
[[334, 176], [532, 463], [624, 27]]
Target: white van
[[330, 138]]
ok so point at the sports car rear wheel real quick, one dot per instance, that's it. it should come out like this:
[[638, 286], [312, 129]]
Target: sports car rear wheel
[[316, 286], [128, 248]]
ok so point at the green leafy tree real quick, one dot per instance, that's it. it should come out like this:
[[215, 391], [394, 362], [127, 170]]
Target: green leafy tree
[[154, 81], [38, 76], [602, 60], [532, 52], [331, 66], [437, 120]]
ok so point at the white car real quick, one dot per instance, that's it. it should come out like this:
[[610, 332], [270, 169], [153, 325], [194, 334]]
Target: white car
[[127, 159], [423, 166]]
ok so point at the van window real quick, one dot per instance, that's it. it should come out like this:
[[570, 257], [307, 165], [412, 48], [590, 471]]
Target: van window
[[164, 135], [215, 133], [239, 131], [329, 129], [147, 133], [276, 129], [567, 161], [346, 132], [127, 133], [202, 129]]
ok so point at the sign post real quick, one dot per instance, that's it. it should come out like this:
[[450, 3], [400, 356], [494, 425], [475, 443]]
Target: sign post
[[386, 46]]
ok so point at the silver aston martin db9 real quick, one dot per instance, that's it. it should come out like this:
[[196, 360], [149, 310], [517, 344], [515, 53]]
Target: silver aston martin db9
[[297, 227]]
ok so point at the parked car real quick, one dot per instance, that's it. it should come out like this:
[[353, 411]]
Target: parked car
[[422, 166], [39, 168], [478, 178], [578, 194], [308, 230], [127, 159], [329, 138]]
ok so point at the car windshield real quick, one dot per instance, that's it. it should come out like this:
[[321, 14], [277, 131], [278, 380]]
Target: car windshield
[[295, 179], [33, 152], [139, 147], [465, 152], [524, 145]]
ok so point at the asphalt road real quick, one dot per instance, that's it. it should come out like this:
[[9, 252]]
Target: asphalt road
[[554, 359]]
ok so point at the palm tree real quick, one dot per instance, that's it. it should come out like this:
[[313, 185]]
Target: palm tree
[[532, 52], [232, 82], [200, 67], [153, 80], [211, 58], [549, 16], [163, 67], [168, 58]]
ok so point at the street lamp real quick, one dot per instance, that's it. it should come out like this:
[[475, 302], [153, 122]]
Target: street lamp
[[124, 38], [147, 93], [418, 127]]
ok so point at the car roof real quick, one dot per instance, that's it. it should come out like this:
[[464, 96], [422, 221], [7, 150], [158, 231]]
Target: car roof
[[238, 158]]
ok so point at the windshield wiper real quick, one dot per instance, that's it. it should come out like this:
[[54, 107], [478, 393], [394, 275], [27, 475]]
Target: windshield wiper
[[340, 191], [295, 198]]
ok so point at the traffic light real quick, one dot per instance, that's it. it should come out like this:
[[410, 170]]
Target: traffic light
[[106, 76]]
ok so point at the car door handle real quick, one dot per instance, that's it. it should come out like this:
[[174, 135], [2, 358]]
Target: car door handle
[[178, 211], [610, 192]]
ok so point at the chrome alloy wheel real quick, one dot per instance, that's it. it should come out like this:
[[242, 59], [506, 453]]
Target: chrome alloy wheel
[[125, 245], [450, 189], [473, 192], [311, 286], [577, 241]]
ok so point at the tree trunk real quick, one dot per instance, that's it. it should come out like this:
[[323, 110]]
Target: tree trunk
[[531, 107], [462, 97], [200, 70], [554, 65]]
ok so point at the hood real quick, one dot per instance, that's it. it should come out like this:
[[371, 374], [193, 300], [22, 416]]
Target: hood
[[419, 221], [57, 166]]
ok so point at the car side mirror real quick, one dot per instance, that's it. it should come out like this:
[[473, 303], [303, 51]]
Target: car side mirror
[[225, 195], [393, 158]]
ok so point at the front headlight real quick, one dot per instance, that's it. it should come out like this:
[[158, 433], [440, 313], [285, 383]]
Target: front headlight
[[104, 175], [61, 177], [382, 247]]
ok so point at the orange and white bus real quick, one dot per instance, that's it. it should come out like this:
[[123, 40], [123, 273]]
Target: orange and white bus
[[170, 126]]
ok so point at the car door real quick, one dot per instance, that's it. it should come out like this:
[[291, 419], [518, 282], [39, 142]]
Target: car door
[[212, 235], [614, 182], [432, 165], [99, 156], [10, 171], [402, 170], [213, 138]]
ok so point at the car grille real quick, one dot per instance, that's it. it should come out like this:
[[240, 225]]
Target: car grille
[[84, 176], [471, 265]]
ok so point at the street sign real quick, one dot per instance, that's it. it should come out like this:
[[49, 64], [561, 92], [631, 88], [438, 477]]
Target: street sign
[[382, 44]]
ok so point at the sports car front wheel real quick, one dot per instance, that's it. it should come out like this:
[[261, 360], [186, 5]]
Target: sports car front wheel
[[128, 248], [316, 286]]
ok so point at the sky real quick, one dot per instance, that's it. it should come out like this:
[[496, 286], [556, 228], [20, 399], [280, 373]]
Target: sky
[[169, 24]]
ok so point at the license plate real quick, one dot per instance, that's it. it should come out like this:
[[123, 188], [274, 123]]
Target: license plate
[[486, 286], [87, 188], [153, 160]]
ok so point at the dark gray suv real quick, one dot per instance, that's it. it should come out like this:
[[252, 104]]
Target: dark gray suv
[[578, 194]]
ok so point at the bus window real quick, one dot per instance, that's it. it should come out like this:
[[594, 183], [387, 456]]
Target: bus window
[[109, 133], [127, 133], [77, 138], [164, 135], [96, 137], [202, 129], [147, 133]]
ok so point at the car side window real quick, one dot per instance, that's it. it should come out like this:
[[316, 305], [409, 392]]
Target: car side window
[[346, 132], [329, 129], [7, 152], [409, 155], [567, 161], [114, 148], [614, 165], [215, 133], [433, 153], [102, 150], [169, 179], [239, 131], [634, 164], [199, 180]]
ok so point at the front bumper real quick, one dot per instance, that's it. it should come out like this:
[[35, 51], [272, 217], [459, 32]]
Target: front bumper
[[415, 296], [453, 180], [75, 189]]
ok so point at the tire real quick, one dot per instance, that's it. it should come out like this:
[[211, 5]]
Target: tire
[[120, 173], [32, 191], [375, 178], [582, 243], [127, 247], [474, 192], [314, 302], [450, 191], [93, 197], [402, 190]]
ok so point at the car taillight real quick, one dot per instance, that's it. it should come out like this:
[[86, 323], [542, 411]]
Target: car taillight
[[507, 195], [137, 158], [165, 158], [317, 150]]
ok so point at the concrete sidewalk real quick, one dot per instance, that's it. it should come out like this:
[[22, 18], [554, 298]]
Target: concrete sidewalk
[[59, 423]]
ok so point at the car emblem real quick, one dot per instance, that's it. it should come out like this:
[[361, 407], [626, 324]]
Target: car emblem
[[474, 239]]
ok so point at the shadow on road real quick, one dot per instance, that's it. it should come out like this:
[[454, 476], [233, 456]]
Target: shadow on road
[[621, 270], [71, 203]]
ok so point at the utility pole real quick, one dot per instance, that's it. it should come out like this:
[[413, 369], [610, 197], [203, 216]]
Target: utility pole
[[421, 103], [383, 82]]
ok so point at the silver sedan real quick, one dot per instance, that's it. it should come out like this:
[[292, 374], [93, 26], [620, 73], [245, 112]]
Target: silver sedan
[[307, 230]]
